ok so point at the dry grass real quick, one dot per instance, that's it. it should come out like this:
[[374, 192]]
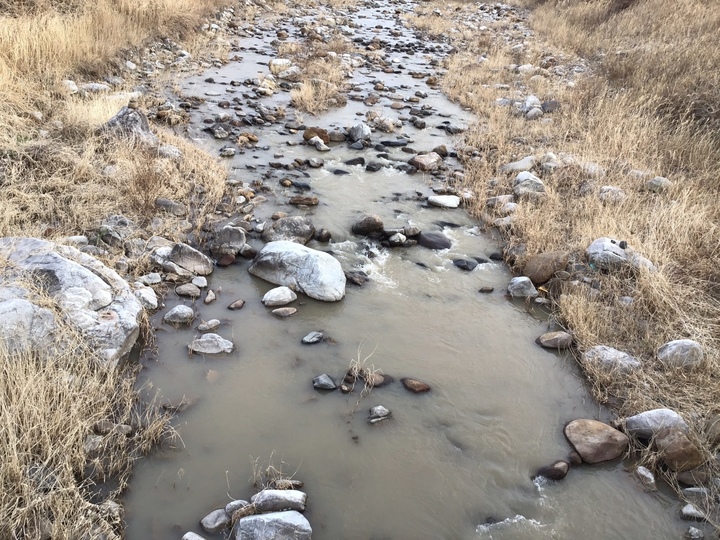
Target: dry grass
[[51, 406], [648, 102]]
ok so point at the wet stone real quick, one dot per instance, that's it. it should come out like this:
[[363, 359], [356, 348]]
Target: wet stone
[[555, 471], [357, 277], [216, 521], [179, 315], [555, 340], [324, 382], [415, 386], [284, 312], [434, 240], [211, 344], [378, 414], [486, 289], [237, 304], [465, 264], [188, 289], [313, 337]]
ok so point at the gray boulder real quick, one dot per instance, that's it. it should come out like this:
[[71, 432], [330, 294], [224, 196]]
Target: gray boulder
[[527, 184], [179, 315], [359, 132], [681, 353], [182, 260], [295, 229], [216, 521], [211, 344], [434, 240], [314, 273], [130, 124], [324, 382], [290, 525], [608, 359], [606, 254], [229, 241], [521, 287], [279, 296], [91, 297], [647, 424], [367, 224], [276, 500]]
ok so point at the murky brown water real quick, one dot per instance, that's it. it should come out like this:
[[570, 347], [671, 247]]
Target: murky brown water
[[448, 461]]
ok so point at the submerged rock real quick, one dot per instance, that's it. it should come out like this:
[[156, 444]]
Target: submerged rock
[[324, 382], [434, 240], [555, 340], [179, 315], [211, 344], [368, 224], [415, 386], [378, 414], [314, 273], [312, 337]]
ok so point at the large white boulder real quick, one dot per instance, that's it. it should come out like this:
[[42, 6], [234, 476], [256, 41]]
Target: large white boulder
[[91, 297], [309, 271]]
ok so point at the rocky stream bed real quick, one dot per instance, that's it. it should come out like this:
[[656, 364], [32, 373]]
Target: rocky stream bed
[[342, 312]]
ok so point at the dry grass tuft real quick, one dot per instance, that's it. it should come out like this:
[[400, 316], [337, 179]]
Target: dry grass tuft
[[67, 423]]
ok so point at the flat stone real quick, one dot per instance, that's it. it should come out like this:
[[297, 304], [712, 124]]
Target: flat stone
[[237, 304], [298, 229], [191, 259], [378, 413], [692, 512], [188, 289], [609, 359], [290, 525], [276, 500], [555, 340], [524, 164], [211, 344], [313, 337], [434, 240], [646, 477], [415, 386], [595, 441], [647, 424], [279, 296], [284, 311], [444, 201]]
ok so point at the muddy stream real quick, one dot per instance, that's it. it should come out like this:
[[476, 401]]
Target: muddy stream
[[455, 463]]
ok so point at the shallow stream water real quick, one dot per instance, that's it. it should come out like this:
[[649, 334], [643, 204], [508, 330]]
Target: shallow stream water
[[455, 463]]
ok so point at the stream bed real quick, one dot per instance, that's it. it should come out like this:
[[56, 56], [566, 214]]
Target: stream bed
[[453, 463]]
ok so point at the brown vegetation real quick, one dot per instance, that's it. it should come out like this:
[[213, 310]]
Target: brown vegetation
[[647, 101]]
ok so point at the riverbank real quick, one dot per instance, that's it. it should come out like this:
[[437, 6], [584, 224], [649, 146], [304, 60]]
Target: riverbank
[[624, 143]]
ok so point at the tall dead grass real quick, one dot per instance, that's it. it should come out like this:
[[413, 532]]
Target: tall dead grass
[[67, 423], [645, 105]]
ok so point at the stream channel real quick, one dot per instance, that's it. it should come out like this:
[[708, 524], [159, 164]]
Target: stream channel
[[454, 463]]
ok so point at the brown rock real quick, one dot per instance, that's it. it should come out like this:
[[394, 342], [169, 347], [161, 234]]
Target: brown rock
[[712, 431], [554, 471], [368, 223], [555, 340], [311, 132], [304, 199], [541, 268], [237, 304], [376, 380], [284, 311], [415, 386], [678, 452], [594, 441], [426, 162], [486, 290], [695, 477], [574, 458], [226, 260]]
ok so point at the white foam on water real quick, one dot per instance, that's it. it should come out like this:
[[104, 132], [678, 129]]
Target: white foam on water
[[518, 526]]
